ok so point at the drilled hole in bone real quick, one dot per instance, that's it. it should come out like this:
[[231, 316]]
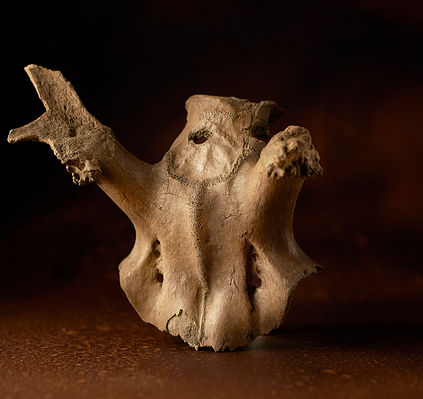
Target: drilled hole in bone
[[252, 274], [159, 277], [200, 136], [72, 132], [157, 254], [200, 140], [156, 249]]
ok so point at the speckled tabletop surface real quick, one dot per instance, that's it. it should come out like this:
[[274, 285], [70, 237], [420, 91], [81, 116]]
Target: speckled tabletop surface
[[73, 344]]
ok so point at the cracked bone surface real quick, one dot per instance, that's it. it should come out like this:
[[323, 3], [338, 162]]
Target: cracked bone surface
[[215, 260]]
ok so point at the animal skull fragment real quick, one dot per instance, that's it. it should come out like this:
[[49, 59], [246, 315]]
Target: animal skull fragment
[[215, 260]]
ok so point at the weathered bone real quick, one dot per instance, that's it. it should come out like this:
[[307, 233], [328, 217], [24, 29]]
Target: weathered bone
[[215, 260]]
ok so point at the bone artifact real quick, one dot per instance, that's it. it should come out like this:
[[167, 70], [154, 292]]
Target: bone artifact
[[215, 260]]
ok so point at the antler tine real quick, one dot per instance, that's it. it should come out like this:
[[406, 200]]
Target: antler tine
[[32, 131], [56, 93], [64, 109]]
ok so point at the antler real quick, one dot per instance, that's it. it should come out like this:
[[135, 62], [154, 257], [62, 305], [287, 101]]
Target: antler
[[77, 138]]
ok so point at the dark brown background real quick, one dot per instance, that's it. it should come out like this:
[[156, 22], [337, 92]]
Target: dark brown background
[[351, 72]]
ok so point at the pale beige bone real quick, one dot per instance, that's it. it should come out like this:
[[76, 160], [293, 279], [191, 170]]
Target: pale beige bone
[[214, 260]]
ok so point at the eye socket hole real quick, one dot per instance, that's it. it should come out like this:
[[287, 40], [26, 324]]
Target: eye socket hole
[[261, 133], [200, 136]]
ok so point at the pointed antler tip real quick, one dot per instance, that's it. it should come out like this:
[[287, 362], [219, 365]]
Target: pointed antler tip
[[34, 66], [39, 71], [24, 133], [10, 138], [31, 67]]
